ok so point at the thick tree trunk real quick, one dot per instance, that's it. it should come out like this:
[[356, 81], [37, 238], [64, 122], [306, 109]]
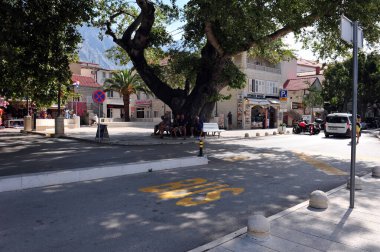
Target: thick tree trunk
[[126, 108], [208, 84]]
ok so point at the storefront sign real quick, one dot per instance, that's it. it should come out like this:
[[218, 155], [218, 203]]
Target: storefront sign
[[256, 96], [143, 102]]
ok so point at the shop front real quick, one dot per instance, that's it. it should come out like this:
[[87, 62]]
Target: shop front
[[143, 109], [259, 112], [115, 111]]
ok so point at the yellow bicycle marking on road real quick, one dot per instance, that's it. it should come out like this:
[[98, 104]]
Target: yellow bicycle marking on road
[[211, 196], [173, 185], [197, 186], [326, 168], [236, 158]]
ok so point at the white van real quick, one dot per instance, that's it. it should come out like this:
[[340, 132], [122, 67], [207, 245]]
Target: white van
[[338, 124]]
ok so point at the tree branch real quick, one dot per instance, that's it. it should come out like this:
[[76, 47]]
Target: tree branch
[[131, 28], [212, 39], [309, 20], [141, 39], [109, 30]]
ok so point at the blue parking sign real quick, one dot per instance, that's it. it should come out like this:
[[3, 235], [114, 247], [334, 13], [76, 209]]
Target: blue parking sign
[[283, 93]]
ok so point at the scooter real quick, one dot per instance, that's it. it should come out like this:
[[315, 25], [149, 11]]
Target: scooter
[[303, 127]]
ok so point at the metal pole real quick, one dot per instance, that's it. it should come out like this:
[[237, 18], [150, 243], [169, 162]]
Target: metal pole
[[59, 100], [76, 103], [99, 123], [354, 114]]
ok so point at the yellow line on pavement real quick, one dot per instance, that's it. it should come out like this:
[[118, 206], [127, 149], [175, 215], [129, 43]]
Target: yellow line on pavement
[[211, 196], [326, 168]]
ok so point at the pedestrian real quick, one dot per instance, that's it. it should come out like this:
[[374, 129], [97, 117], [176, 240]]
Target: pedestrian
[[229, 119], [358, 128], [67, 113]]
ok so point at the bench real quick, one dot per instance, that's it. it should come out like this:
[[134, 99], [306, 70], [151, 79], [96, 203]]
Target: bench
[[212, 128]]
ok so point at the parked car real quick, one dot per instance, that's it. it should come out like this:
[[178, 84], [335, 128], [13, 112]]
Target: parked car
[[338, 124]]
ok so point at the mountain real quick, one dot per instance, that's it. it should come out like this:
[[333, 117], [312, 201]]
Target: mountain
[[92, 49]]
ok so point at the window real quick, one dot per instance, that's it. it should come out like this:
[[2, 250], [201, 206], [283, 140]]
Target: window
[[258, 86], [139, 112], [155, 113], [110, 93], [109, 113], [110, 75], [104, 75], [272, 87]]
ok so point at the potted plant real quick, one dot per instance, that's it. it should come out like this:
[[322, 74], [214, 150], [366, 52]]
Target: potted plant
[[282, 128]]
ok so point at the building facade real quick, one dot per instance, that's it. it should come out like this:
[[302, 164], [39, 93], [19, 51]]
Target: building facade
[[257, 105]]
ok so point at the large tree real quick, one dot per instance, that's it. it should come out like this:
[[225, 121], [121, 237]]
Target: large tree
[[126, 83], [220, 30], [38, 39], [338, 83]]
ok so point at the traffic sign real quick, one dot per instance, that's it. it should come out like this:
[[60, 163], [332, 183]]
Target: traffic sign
[[283, 93], [346, 31], [98, 96]]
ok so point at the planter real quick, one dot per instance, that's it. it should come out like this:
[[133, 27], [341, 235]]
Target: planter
[[282, 129]]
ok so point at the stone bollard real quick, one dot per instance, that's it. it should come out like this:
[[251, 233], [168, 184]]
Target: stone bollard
[[376, 172], [59, 126], [318, 199], [246, 135], [257, 134], [287, 132], [274, 133], [258, 227], [266, 134], [27, 123], [358, 183]]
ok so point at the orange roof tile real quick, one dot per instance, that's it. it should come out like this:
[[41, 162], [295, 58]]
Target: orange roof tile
[[85, 81], [299, 83]]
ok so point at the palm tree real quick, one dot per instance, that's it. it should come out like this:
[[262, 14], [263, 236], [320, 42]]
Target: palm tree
[[126, 82]]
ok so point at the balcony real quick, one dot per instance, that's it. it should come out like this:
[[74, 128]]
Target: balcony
[[263, 68]]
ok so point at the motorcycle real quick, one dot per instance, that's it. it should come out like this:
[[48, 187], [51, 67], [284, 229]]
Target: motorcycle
[[304, 127]]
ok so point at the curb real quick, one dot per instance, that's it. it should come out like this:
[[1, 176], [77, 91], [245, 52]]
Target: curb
[[27, 181], [242, 231]]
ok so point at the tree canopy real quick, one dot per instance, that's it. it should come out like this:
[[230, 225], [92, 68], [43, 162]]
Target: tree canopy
[[338, 83], [220, 29], [38, 40]]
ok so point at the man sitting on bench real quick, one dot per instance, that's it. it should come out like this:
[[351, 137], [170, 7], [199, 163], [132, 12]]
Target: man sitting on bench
[[196, 129]]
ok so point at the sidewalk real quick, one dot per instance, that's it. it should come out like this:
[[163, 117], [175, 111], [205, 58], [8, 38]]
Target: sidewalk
[[143, 136], [301, 228]]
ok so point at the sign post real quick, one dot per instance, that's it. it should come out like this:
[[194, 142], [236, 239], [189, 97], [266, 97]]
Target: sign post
[[98, 96], [351, 33]]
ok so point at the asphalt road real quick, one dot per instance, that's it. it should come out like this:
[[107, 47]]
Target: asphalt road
[[180, 209], [34, 153]]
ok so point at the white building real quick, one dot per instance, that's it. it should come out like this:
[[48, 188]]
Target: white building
[[257, 105]]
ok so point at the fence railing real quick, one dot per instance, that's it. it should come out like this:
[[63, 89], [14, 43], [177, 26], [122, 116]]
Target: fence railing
[[264, 68]]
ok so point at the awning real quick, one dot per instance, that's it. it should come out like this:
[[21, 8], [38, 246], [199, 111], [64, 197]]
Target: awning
[[274, 101], [258, 101]]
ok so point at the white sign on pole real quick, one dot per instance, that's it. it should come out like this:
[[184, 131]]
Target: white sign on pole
[[283, 106], [346, 31]]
